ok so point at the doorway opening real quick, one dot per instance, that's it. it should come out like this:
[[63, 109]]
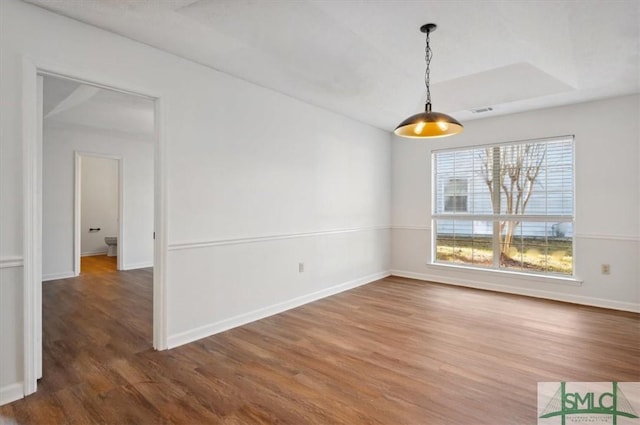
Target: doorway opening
[[97, 213], [73, 110]]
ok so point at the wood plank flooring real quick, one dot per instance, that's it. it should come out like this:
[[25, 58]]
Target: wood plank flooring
[[397, 351], [94, 264]]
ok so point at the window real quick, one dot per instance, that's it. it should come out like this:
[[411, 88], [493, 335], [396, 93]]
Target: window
[[455, 195], [506, 206]]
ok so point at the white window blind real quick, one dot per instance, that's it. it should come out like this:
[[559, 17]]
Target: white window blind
[[506, 206]]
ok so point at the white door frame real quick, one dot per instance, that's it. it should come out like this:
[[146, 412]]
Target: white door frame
[[77, 207], [32, 204]]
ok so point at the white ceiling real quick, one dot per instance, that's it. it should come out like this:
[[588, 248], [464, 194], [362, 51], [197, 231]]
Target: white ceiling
[[69, 103], [365, 58]]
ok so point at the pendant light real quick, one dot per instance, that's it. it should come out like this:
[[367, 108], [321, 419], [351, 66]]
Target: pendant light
[[428, 124]]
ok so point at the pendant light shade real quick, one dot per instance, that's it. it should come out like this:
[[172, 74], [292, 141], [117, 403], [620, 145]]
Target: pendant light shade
[[428, 124]]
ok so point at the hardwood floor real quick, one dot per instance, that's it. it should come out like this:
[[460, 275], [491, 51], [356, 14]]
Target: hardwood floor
[[397, 351], [98, 264]]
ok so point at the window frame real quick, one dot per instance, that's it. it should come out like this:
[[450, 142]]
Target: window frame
[[522, 218]]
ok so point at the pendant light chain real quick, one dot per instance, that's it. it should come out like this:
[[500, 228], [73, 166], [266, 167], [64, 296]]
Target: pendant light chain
[[428, 54]]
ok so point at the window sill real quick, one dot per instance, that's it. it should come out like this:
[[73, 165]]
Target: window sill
[[539, 278]]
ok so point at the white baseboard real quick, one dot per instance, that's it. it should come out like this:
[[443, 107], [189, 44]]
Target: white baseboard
[[137, 266], [537, 293], [92, 253], [56, 276], [11, 393], [242, 319]]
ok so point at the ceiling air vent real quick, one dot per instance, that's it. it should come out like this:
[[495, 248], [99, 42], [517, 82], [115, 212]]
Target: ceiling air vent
[[482, 110]]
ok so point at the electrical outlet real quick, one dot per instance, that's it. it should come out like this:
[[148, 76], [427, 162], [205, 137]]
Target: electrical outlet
[[300, 267], [605, 269]]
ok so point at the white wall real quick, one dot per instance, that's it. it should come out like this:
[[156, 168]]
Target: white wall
[[99, 203], [607, 197], [247, 199], [61, 141], [11, 325]]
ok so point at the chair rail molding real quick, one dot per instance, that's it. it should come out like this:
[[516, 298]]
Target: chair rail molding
[[11, 261], [266, 238]]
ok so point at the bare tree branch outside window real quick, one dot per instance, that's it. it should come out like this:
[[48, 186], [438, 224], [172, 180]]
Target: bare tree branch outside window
[[510, 174]]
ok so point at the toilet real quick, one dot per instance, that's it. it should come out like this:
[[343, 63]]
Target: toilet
[[112, 243]]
